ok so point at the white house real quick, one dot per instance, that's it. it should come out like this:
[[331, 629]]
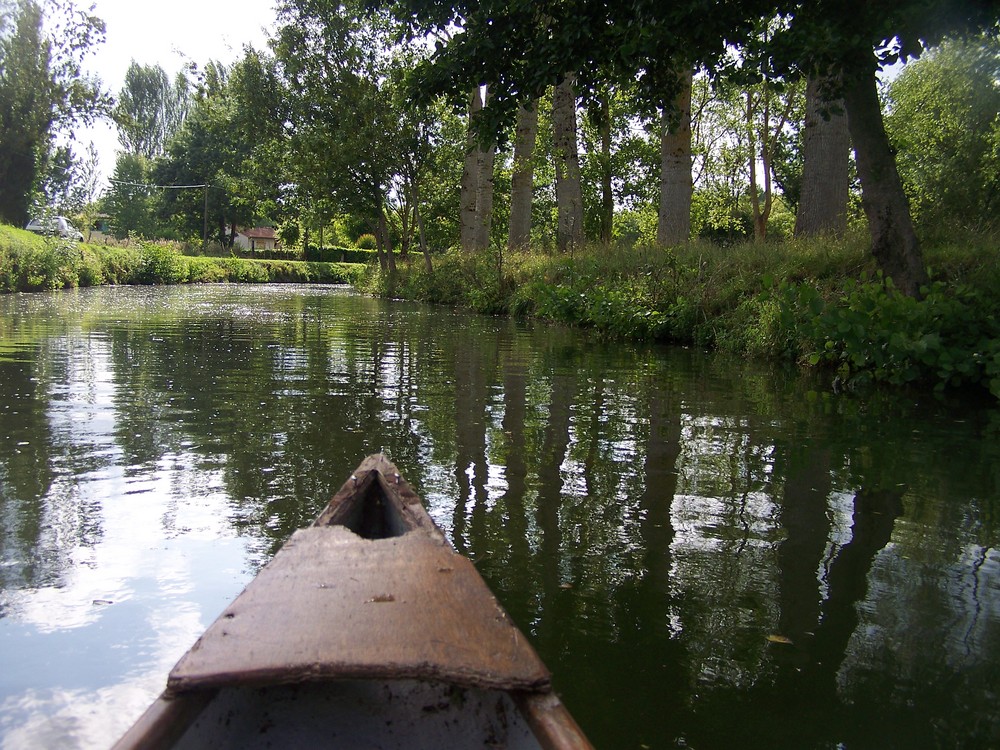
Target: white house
[[258, 238]]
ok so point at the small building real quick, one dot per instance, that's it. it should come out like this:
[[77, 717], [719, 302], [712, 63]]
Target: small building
[[258, 238]]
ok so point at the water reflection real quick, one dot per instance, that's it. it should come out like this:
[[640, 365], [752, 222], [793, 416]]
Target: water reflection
[[705, 553]]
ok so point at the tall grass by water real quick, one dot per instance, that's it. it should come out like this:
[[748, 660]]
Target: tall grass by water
[[31, 263], [818, 302]]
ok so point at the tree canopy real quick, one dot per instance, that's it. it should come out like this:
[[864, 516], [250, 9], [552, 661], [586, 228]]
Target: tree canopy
[[518, 48], [150, 109], [944, 125], [43, 90]]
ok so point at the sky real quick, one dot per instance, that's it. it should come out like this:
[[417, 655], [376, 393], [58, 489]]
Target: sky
[[167, 33]]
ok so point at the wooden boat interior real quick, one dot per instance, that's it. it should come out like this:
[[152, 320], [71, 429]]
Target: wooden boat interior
[[367, 620]]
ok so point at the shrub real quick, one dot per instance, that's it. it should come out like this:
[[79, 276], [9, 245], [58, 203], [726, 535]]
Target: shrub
[[245, 271], [120, 265], [337, 254], [277, 253], [91, 268], [161, 265], [366, 242], [872, 332], [206, 271]]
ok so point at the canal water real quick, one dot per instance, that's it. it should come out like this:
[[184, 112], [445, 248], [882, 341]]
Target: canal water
[[706, 553]]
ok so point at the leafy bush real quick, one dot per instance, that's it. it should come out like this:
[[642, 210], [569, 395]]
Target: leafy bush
[[366, 242], [90, 269], [238, 269], [871, 331], [161, 265], [277, 253], [338, 254], [207, 271], [120, 265], [32, 263]]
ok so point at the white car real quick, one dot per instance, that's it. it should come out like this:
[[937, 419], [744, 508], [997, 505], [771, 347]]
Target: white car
[[55, 225]]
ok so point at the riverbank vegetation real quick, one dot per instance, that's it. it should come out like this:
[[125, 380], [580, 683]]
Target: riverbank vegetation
[[31, 263], [821, 302]]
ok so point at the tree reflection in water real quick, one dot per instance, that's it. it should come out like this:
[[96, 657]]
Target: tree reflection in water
[[704, 552]]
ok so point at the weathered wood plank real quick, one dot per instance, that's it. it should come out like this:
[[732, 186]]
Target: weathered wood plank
[[334, 605]]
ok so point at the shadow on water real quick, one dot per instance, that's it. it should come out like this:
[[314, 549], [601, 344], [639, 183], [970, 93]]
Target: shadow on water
[[706, 553]]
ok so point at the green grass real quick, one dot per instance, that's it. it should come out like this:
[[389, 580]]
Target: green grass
[[31, 263]]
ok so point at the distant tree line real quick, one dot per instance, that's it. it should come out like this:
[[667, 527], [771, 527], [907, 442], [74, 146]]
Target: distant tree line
[[430, 124]]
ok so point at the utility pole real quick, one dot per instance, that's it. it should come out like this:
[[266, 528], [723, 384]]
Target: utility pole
[[204, 231]]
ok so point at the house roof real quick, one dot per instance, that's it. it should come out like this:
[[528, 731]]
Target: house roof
[[259, 233]]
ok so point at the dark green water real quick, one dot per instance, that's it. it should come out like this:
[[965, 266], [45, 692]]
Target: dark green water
[[707, 554]]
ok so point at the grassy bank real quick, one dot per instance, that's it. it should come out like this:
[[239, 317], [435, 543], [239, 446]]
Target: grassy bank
[[31, 263], [818, 303]]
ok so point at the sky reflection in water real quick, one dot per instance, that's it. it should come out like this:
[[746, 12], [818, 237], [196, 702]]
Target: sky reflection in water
[[704, 553]]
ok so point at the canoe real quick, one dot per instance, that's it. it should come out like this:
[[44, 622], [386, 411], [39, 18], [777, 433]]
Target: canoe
[[366, 630]]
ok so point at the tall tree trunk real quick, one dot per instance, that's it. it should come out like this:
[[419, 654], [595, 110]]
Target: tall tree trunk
[[383, 239], [826, 145], [763, 137], [894, 242], [376, 228], [404, 229], [469, 199], [674, 225], [569, 192], [523, 177], [607, 194], [484, 197], [418, 217], [760, 213]]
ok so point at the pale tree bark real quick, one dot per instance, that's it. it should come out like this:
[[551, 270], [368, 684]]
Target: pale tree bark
[[484, 197], [469, 199], [522, 178], [607, 192], [569, 192], [894, 242], [419, 217], [674, 221], [826, 145]]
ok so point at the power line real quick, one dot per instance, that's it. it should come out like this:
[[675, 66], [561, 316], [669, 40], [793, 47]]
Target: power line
[[204, 186], [158, 187]]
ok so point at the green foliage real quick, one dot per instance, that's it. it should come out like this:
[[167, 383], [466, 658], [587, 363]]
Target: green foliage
[[812, 309], [340, 254], [129, 204], [275, 253], [289, 233], [42, 91], [872, 332], [120, 265], [245, 271], [159, 264], [366, 242], [944, 125], [150, 109], [31, 263], [204, 270], [233, 140]]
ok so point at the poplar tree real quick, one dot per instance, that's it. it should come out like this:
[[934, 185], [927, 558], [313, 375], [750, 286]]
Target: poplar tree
[[43, 90]]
